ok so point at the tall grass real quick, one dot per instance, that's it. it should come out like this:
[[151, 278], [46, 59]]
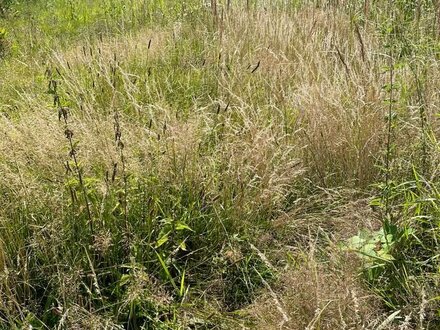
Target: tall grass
[[174, 165]]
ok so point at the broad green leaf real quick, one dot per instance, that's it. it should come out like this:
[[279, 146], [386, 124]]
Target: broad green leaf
[[162, 240]]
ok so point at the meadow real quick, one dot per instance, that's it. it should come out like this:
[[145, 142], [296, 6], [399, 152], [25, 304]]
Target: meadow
[[249, 164]]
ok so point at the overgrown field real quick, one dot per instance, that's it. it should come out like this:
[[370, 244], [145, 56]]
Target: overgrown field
[[219, 164]]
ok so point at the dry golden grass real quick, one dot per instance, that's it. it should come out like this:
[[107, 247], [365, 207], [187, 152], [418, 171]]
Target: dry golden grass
[[320, 287], [333, 101], [318, 295]]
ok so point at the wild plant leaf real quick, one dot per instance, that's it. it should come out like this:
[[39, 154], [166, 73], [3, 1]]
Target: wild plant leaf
[[182, 246], [125, 279], [166, 271], [161, 241], [182, 284], [182, 226]]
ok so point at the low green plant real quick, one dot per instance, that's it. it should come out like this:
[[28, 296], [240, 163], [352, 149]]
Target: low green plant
[[401, 260]]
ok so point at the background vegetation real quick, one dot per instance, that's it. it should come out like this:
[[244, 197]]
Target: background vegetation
[[218, 165]]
